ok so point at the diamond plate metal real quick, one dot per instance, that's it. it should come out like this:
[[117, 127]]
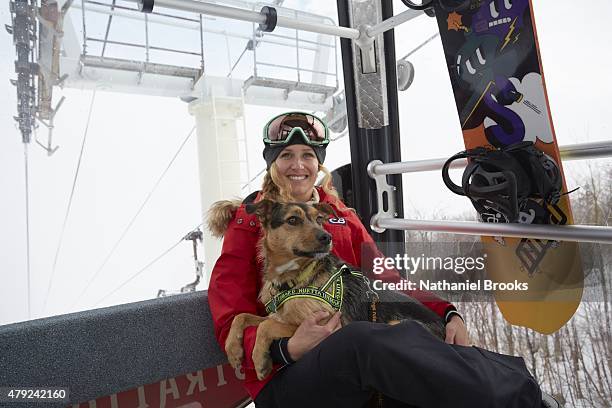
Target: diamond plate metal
[[370, 89]]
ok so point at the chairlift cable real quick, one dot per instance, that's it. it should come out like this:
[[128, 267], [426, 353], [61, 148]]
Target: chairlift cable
[[251, 44], [129, 225], [237, 61], [27, 211], [147, 266], [340, 136], [421, 45], [74, 181], [253, 179]]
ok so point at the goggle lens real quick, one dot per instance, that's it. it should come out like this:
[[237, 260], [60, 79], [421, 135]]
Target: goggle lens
[[280, 128]]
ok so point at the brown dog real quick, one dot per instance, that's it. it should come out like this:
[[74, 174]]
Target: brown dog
[[302, 277]]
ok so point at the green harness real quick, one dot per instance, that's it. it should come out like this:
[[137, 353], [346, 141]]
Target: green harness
[[331, 292]]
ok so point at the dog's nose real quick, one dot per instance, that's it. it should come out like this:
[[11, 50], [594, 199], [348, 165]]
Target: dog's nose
[[324, 237]]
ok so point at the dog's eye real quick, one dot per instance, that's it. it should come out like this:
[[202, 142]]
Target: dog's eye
[[293, 220], [320, 219]]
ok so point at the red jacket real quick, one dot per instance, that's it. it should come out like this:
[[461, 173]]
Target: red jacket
[[237, 276]]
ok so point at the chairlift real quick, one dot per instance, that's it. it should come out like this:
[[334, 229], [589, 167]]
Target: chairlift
[[162, 352]]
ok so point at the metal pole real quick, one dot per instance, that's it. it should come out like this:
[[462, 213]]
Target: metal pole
[[84, 30], [579, 151], [136, 66], [254, 50], [335, 62], [392, 22], [182, 22], [591, 150], [370, 144], [229, 54], [255, 17], [424, 43], [578, 233], [202, 42], [108, 25], [146, 21], [144, 46], [297, 49], [337, 31]]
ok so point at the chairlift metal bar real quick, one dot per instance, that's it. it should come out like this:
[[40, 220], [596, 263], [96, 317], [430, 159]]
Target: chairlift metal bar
[[578, 151], [296, 68], [254, 50], [146, 24], [187, 23], [256, 17], [143, 46], [84, 30], [392, 22], [302, 40], [297, 49], [139, 66], [202, 43], [592, 150], [108, 25], [302, 48], [97, 3], [285, 44], [577, 233]]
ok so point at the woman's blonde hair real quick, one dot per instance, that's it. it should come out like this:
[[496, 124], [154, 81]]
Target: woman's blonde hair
[[277, 188]]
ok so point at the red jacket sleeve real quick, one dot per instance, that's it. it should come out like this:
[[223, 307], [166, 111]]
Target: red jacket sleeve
[[366, 250], [235, 283]]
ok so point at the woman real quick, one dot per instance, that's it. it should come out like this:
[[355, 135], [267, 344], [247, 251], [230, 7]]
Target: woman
[[404, 362]]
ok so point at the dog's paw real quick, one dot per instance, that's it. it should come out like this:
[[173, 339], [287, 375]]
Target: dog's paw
[[234, 351], [263, 365]]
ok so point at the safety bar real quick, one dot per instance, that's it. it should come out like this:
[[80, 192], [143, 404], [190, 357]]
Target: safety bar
[[578, 233], [578, 151], [259, 18]]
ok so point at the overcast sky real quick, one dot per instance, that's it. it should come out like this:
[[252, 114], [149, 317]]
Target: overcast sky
[[131, 139]]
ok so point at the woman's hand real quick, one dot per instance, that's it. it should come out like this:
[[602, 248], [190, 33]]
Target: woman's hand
[[311, 332], [456, 332]]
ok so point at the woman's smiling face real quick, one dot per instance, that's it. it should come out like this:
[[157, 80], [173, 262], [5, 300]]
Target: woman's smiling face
[[298, 164]]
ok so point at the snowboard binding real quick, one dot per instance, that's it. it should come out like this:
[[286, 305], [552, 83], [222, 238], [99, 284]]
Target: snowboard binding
[[503, 184]]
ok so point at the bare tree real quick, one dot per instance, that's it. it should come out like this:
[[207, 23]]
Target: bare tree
[[575, 363]]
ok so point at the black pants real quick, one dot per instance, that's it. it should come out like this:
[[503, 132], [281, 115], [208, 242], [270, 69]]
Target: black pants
[[406, 364]]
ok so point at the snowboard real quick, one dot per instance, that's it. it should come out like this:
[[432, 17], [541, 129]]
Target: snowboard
[[493, 59]]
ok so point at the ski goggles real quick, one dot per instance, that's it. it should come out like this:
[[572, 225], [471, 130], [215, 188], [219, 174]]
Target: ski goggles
[[280, 129]]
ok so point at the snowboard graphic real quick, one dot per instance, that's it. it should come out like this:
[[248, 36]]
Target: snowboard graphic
[[493, 60]]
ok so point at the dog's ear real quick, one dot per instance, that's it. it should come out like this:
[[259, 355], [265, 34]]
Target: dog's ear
[[262, 209], [324, 208]]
